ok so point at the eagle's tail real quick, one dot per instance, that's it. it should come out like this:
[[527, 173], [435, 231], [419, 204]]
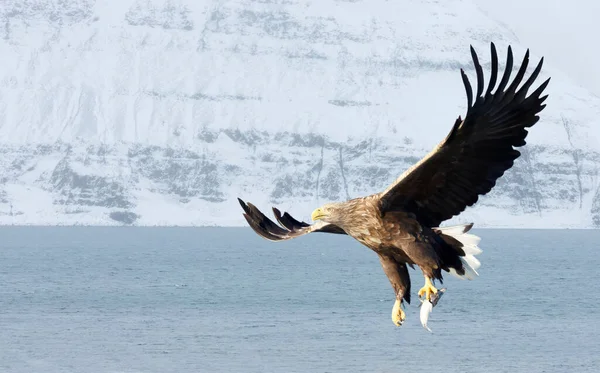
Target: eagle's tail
[[466, 243]]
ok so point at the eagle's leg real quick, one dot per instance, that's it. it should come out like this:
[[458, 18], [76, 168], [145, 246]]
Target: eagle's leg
[[427, 289], [397, 273], [398, 315]]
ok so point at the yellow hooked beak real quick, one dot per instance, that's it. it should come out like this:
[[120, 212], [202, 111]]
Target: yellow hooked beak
[[317, 214]]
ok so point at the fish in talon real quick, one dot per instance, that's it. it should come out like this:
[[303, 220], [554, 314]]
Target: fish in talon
[[427, 307]]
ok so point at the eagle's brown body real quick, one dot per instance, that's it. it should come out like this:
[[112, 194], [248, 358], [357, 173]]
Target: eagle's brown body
[[397, 235], [399, 240], [402, 223]]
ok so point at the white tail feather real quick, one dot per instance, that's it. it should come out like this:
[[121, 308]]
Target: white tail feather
[[469, 242]]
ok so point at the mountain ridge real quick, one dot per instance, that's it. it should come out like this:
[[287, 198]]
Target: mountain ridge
[[162, 112]]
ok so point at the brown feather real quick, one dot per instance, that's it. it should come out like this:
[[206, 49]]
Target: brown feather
[[398, 275]]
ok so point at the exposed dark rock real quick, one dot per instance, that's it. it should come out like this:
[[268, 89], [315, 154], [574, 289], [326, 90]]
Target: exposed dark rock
[[125, 217]]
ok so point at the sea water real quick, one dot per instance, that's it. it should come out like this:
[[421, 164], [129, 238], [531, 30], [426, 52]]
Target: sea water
[[79, 299]]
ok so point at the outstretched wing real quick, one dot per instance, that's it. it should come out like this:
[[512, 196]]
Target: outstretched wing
[[476, 152], [290, 227]]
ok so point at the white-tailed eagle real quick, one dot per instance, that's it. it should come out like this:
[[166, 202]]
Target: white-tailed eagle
[[402, 223]]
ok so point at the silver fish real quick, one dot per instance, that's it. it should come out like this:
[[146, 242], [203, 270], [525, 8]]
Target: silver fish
[[427, 307]]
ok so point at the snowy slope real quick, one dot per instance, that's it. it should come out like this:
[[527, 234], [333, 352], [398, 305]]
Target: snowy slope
[[162, 112]]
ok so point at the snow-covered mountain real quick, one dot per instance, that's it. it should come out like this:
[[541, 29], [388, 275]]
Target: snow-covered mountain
[[162, 112]]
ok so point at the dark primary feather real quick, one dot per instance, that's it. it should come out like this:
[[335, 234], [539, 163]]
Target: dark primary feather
[[292, 228], [476, 152], [288, 221]]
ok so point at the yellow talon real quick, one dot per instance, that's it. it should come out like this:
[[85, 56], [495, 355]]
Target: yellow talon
[[398, 315], [427, 289]]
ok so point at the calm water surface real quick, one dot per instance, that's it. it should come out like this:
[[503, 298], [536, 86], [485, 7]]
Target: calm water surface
[[225, 300]]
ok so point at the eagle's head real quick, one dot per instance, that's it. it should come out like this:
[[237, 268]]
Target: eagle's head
[[331, 213]]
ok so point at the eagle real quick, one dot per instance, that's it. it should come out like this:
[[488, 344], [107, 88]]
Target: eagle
[[402, 224]]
